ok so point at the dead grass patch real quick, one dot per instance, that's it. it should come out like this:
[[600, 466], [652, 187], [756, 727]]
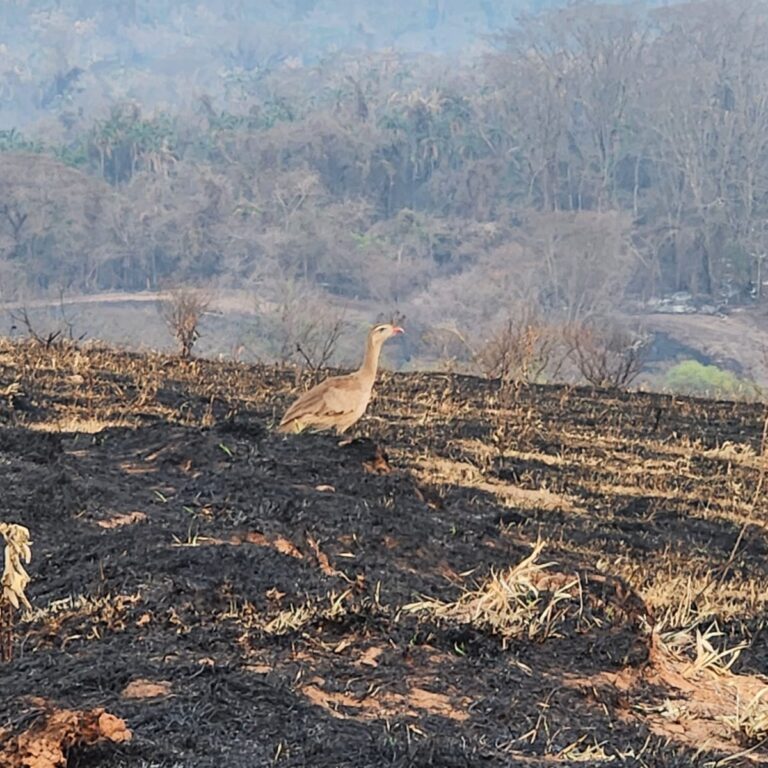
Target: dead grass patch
[[82, 425], [146, 689], [487, 452], [120, 520], [684, 592], [438, 470], [518, 602], [294, 618], [737, 453], [96, 614], [749, 722], [704, 709]]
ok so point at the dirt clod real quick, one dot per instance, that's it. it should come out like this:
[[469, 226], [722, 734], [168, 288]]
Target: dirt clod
[[48, 741]]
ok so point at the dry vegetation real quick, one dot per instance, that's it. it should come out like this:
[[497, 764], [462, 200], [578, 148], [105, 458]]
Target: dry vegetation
[[559, 576], [557, 165], [13, 582], [606, 353], [181, 312], [525, 349], [517, 603]]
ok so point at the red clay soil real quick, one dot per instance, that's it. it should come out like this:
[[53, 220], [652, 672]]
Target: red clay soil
[[57, 733], [238, 598]]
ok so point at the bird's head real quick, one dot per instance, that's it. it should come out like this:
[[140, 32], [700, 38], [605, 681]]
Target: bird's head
[[380, 333]]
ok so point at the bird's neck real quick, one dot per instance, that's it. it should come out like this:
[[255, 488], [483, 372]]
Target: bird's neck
[[370, 361]]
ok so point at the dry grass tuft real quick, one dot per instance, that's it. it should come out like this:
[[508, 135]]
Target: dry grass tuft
[[510, 604], [698, 648], [684, 630], [750, 723], [294, 618]]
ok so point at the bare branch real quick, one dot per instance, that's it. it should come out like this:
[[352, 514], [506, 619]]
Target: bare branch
[[181, 312], [606, 353]]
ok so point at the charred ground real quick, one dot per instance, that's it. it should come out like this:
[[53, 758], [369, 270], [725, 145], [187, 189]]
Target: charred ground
[[242, 598]]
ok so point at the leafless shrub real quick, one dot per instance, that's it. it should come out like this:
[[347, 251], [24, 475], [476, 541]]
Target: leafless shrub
[[607, 353], [305, 328], [319, 340], [448, 346], [14, 582], [63, 329], [524, 349], [181, 312], [21, 317]]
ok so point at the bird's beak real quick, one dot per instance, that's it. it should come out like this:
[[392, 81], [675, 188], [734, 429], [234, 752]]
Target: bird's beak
[[397, 330]]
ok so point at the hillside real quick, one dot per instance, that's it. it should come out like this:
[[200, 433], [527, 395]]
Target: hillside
[[546, 576], [443, 158]]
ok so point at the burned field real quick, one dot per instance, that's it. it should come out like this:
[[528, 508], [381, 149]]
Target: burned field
[[547, 576]]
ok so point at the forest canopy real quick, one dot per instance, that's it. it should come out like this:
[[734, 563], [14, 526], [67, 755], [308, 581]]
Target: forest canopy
[[571, 157]]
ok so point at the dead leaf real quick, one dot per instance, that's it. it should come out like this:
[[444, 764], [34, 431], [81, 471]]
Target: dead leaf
[[370, 655], [280, 543], [342, 645], [117, 521], [286, 547], [322, 558], [258, 669], [146, 689]]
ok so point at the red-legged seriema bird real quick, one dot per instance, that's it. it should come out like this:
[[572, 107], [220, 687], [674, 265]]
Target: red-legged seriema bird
[[339, 401]]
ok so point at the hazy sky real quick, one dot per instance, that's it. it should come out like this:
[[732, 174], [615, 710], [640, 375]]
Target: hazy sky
[[78, 55]]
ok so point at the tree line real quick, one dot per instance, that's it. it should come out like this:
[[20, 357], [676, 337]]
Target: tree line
[[595, 153]]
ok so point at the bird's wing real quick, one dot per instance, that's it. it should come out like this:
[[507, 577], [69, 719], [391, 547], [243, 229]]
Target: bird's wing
[[337, 396]]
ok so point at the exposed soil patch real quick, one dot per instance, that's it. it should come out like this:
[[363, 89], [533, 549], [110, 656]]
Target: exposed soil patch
[[56, 733], [474, 581]]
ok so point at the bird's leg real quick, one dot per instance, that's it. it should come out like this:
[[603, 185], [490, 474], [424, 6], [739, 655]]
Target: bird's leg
[[347, 439]]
